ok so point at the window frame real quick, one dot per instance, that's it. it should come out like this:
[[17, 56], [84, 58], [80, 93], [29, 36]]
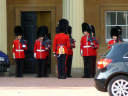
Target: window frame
[[106, 25]]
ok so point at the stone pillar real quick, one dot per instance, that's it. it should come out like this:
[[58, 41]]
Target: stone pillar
[[73, 11], [3, 26]]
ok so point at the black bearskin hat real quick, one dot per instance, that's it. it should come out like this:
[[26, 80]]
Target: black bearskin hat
[[119, 30], [69, 30], [44, 30], [92, 29], [63, 26], [41, 32], [85, 27], [114, 32], [57, 30], [18, 30]]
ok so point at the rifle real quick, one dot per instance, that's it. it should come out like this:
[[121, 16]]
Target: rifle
[[23, 42], [47, 43], [72, 42]]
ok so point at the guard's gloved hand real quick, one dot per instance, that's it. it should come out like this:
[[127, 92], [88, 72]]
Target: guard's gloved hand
[[54, 54], [34, 55], [81, 52], [14, 55], [24, 46]]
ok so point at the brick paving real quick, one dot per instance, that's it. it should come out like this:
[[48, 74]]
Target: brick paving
[[31, 86]]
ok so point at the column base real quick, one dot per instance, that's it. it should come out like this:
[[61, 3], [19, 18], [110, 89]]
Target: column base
[[77, 72]]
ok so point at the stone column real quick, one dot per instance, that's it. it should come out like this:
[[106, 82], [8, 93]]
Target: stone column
[[3, 26], [73, 11]]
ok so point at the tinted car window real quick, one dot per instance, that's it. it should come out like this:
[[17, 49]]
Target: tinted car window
[[117, 51], [126, 55]]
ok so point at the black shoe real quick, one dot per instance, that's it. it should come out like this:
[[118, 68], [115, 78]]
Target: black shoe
[[47, 75], [84, 77], [69, 76], [63, 77], [90, 76], [59, 77], [38, 76]]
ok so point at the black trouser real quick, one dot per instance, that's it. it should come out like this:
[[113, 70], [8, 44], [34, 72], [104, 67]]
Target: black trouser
[[19, 67], [41, 69], [61, 60], [69, 64], [93, 65], [87, 65], [48, 66]]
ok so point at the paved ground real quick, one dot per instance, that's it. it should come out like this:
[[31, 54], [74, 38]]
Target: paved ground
[[31, 86]]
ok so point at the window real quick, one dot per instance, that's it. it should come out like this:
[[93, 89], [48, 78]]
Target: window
[[126, 55], [117, 18]]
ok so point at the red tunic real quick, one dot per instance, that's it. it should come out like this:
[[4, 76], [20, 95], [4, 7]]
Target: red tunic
[[39, 50], [18, 50], [111, 42], [47, 52], [85, 48], [95, 49], [70, 50], [61, 44]]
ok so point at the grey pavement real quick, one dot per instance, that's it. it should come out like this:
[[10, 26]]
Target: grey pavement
[[32, 86]]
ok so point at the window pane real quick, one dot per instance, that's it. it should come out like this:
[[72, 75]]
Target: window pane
[[127, 18], [121, 18], [108, 31], [111, 18], [124, 35]]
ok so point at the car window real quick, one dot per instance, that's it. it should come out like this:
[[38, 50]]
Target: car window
[[126, 55], [117, 52]]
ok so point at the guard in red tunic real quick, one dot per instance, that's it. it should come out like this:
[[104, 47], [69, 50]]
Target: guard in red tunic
[[47, 43], [70, 53], [19, 45], [60, 47], [114, 34], [86, 50], [40, 53], [94, 56]]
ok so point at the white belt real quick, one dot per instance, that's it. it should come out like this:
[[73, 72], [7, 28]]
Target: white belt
[[86, 46], [19, 50], [40, 50]]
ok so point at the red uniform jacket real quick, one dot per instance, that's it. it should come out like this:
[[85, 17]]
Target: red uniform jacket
[[85, 48], [39, 50], [111, 42], [61, 44], [95, 49], [70, 50], [18, 50], [47, 52]]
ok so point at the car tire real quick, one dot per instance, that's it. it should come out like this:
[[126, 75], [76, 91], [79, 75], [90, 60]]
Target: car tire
[[118, 86]]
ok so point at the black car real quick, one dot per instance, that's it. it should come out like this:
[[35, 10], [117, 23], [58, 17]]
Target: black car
[[4, 62], [112, 75]]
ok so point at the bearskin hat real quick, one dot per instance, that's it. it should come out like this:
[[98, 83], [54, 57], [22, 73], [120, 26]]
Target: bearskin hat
[[92, 29], [119, 30], [18, 30], [69, 30], [114, 32], [41, 32], [85, 27], [44, 30], [57, 30], [63, 26]]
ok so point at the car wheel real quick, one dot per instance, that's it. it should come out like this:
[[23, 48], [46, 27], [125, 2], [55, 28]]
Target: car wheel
[[118, 86]]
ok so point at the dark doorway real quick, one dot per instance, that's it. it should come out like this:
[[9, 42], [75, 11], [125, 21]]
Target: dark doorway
[[30, 21]]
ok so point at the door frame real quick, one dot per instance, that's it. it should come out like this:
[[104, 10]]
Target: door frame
[[51, 8]]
